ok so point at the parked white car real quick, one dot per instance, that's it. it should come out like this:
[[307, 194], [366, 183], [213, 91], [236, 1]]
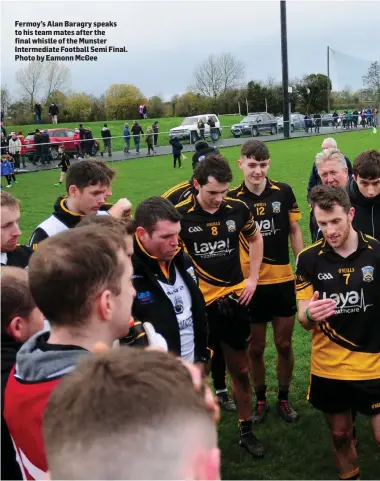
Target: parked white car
[[189, 128]]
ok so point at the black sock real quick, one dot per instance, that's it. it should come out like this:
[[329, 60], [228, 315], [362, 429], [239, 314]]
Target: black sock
[[261, 393], [245, 426], [283, 392]]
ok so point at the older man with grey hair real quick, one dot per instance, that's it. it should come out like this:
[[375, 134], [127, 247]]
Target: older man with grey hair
[[314, 179], [332, 169]]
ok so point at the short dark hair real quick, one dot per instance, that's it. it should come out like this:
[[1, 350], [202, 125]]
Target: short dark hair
[[126, 226], [214, 165], [154, 209], [107, 169], [86, 173], [255, 148], [69, 270], [367, 165], [327, 196], [16, 298], [130, 395]]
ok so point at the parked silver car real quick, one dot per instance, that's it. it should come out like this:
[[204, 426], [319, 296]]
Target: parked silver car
[[297, 122]]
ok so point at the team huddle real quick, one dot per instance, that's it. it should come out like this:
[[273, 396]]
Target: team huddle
[[198, 272]]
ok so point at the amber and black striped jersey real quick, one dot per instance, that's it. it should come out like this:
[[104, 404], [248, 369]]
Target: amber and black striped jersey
[[274, 210], [212, 241], [179, 192], [345, 346]]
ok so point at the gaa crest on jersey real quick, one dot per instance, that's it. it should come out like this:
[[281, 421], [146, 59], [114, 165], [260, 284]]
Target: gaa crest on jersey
[[231, 226], [367, 273], [276, 206], [178, 305]]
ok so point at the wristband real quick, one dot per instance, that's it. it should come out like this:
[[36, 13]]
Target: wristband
[[308, 317]]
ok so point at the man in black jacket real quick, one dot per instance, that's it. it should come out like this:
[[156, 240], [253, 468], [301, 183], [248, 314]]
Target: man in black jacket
[[53, 112], [106, 136], [314, 178], [38, 112], [137, 131], [364, 193], [332, 168], [37, 146], [167, 294], [45, 147], [12, 253]]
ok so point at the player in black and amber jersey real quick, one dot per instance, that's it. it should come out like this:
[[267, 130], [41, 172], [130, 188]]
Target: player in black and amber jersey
[[176, 195], [180, 192], [12, 253], [211, 227], [277, 214], [338, 287]]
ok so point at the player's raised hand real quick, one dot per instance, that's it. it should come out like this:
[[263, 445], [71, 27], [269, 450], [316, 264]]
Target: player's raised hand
[[122, 208], [321, 309]]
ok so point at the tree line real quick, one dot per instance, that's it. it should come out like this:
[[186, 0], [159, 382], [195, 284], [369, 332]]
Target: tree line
[[217, 87]]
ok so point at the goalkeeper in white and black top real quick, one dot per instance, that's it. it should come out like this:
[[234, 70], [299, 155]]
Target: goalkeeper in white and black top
[[167, 294], [88, 186]]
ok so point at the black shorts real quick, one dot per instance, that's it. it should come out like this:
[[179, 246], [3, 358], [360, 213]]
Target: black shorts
[[228, 322], [333, 396], [64, 169], [273, 300]]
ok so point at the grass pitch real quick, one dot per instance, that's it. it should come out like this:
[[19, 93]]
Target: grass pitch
[[299, 451]]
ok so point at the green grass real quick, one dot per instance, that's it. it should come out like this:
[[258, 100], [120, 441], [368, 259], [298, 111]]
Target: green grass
[[300, 451], [117, 127]]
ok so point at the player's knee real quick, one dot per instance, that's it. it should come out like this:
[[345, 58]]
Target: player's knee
[[284, 347], [256, 349], [341, 439]]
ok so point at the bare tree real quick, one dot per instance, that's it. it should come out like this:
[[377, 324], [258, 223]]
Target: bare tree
[[372, 79], [57, 77], [5, 99], [217, 75], [29, 78]]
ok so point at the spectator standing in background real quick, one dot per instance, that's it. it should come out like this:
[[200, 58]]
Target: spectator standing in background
[[6, 169], [318, 120], [335, 116], [53, 112], [155, 131], [20, 135], [349, 119], [177, 148], [45, 147], [137, 131], [37, 147], [149, 140], [201, 128], [127, 138], [78, 144], [145, 112], [141, 113], [4, 143], [355, 118], [38, 112], [106, 136], [15, 150], [88, 142]]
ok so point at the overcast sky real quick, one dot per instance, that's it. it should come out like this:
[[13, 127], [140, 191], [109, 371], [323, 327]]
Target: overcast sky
[[166, 40]]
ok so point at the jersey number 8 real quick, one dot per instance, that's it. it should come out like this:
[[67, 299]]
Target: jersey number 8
[[214, 230]]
